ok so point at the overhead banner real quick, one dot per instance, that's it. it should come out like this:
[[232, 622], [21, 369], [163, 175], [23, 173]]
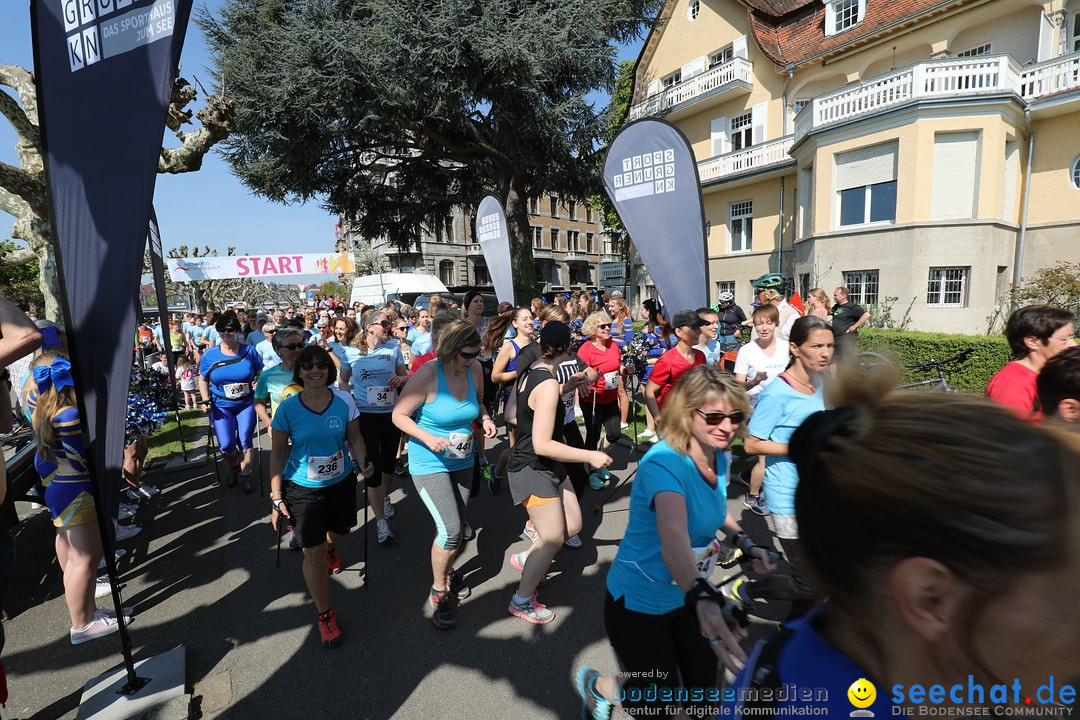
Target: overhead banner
[[494, 239], [651, 176], [105, 72], [224, 267]]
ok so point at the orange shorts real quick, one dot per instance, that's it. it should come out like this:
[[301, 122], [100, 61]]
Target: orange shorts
[[533, 501]]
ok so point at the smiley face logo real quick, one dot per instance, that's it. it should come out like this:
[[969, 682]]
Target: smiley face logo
[[862, 693]]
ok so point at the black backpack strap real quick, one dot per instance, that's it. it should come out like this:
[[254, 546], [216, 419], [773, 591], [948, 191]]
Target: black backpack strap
[[221, 364], [764, 674]]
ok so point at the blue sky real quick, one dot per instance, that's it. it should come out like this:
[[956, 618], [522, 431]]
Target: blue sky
[[210, 207]]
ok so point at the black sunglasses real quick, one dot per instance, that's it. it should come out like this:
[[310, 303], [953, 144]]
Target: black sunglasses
[[469, 355], [293, 346], [403, 327], [310, 364], [384, 323], [604, 326], [715, 418]]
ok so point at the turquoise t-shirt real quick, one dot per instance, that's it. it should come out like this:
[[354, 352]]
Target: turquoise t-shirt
[[422, 344], [275, 385], [317, 457], [639, 574], [712, 350], [370, 376], [778, 413]]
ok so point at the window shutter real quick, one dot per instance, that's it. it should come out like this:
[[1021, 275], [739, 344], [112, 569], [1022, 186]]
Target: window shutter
[[1046, 38], [1012, 166], [694, 67], [654, 88], [718, 135], [866, 166], [955, 167], [758, 121], [738, 48]]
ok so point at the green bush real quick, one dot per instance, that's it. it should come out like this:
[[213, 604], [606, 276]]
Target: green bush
[[906, 347]]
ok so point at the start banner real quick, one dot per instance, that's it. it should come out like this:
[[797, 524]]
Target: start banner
[[258, 266]]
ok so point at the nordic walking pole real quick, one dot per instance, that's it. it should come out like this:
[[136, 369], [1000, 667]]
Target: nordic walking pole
[[280, 532], [366, 575]]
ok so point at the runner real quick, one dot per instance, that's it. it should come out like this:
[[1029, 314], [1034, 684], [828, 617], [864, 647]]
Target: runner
[[668, 626], [374, 372], [320, 499], [686, 325], [504, 371], [600, 403], [536, 475], [445, 395], [227, 373]]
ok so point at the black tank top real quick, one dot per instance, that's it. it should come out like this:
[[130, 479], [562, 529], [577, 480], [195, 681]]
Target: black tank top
[[523, 454]]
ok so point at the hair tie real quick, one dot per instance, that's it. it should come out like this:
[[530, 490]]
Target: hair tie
[[56, 375], [50, 337], [812, 438]]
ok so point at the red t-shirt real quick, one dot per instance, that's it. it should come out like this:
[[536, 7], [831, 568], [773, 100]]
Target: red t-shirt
[[668, 368], [606, 362], [1014, 386], [420, 360]]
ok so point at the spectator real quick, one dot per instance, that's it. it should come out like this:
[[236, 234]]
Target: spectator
[[847, 318], [730, 317], [1036, 334], [686, 325], [1059, 387]]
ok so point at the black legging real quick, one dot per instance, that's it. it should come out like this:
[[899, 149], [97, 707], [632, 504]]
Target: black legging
[[491, 397], [606, 415], [579, 474], [793, 587]]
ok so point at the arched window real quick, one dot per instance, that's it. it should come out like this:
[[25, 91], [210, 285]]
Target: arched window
[[1074, 174], [693, 10]]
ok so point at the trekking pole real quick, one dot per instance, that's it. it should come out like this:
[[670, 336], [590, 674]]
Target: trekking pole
[[365, 533], [280, 532], [211, 445], [258, 456]]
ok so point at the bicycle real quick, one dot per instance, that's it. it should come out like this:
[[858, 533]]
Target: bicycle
[[869, 360]]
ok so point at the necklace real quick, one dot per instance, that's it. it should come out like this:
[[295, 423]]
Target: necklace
[[805, 385]]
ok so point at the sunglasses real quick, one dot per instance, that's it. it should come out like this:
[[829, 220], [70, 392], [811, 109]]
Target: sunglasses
[[715, 418], [468, 355], [403, 327], [604, 326], [384, 323], [321, 364], [293, 346]]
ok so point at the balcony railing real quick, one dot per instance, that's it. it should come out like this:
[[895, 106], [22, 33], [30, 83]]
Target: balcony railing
[[576, 256], [474, 250], [755, 157], [611, 257], [933, 79], [541, 252], [735, 73]]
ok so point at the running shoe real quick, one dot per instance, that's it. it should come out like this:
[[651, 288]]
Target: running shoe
[[494, 482], [126, 532], [125, 512], [594, 706], [533, 612], [110, 613], [294, 542], [246, 484], [100, 626], [103, 588], [147, 491], [382, 532], [329, 630], [530, 532], [467, 533], [573, 542], [401, 467], [234, 476], [646, 435], [459, 589], [444, 616], [737, 592], [333, 561], [388, 508], [623, 426], [757, 503], [517, 561]]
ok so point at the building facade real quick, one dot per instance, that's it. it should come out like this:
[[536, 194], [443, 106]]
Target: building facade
[[566, 242], [921, 150]]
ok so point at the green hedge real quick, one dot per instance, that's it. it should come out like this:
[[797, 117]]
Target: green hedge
[[906, 347]]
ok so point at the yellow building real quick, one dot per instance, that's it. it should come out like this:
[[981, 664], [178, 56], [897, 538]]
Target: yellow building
[[926, 150]]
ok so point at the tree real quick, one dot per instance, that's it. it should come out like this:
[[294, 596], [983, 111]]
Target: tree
[[617, 112], [22, 189], [395, 111], [19, 281], [335, 290]]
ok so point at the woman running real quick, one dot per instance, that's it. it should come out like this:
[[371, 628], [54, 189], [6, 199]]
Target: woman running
[[227, 373], [600, 403], [69, 494], [504, 371], [312, 431], [445, 396], [536, 475], [784, 405], [375, 371], [669, 627]]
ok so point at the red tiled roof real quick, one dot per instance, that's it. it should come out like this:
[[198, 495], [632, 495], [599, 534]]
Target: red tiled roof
[[799, 33]]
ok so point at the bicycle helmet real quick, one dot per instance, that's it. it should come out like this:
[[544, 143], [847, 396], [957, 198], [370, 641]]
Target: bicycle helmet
[[726, 297], [769, 280]]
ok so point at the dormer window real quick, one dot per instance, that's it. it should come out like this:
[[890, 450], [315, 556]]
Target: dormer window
[[841, 15]]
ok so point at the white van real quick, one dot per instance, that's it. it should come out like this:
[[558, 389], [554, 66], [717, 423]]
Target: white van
[[377, 289]]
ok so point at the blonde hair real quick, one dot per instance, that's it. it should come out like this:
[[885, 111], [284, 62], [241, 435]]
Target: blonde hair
[[554, 313], [360, 341], [622, 310], [456, 336], [696, 388], [588, 327], [47, 405], [820, 295]]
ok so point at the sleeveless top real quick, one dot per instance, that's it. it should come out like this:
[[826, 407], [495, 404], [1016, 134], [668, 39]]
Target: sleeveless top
[[447, 417], [512, 365], [523, 455]]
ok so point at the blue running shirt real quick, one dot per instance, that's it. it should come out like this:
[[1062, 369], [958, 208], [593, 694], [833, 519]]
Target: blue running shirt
[[317, 457]]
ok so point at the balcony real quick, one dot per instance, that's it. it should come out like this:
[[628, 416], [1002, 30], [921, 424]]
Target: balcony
[[391, 250], [733, 78], [939, 80], [541, 253], [474, 250], [576, 256], [751, 159], [611, 257]]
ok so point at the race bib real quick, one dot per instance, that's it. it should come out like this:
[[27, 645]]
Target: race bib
[[324, 468], [382, 396], [611, 380], [460, 446], [705, 558], [235, 391]]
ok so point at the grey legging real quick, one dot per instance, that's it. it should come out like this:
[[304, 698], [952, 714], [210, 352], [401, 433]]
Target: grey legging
[[446, 506]]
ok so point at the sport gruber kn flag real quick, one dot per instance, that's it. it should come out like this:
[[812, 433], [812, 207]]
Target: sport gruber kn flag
[[105, 71], [494, 239], [651, 176]]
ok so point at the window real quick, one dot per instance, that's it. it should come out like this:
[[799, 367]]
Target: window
[[742, 131], [481, 276], [1074, 174], [947, 287], [588, 213], [534, 206], [671, 80], [1076, 32], [448, 228], [866, 185], [721, 56], [446, 272], [804, 285], [862, 286], [800, 104], [954, 177], [572, 240], [572, 208], [554, 206], [741, 224], [723, 286], [538, 237], [693, 10], [589, 243], [555, 239], [975, 51], [844, 14]]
